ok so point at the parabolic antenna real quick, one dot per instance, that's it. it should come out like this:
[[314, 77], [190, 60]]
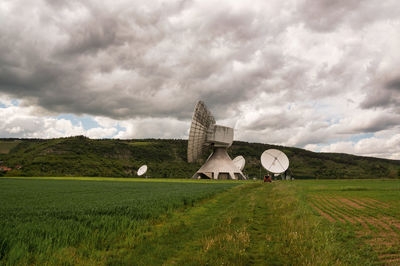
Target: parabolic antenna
[[142, 170], [239, 161], [203, 132], [201, 121], [274, 161]]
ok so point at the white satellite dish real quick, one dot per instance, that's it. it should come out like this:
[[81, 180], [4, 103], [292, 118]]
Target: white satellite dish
[[239, 161], [142, 170], [205, 132], [274, 161]]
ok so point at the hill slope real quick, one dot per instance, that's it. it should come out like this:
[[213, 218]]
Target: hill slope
[[80, 156]]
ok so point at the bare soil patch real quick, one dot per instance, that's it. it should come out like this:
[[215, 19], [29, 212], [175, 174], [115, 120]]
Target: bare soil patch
[[351, 203], [391, 221], [376, 203]]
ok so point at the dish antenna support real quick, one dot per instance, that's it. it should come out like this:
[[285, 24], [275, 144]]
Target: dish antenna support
[[205, 132]]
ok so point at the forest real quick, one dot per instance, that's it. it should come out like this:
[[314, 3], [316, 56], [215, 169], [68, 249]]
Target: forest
[[166, 158]]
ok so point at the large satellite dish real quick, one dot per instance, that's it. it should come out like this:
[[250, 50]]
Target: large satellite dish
[[239, 161], [202, 120], [142, 170], [204, 132], [274, 161]]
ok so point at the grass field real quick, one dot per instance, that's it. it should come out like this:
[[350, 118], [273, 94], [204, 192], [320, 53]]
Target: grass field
[[188, 223]]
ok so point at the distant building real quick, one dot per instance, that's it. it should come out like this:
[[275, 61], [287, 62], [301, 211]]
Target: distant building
[[5, 169]]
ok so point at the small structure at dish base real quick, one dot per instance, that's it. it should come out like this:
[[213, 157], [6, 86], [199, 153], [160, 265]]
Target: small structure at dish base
[[204, 132], [142, 170], [274, 161]]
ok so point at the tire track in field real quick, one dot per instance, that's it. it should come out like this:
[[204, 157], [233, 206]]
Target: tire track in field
[[381, 229]]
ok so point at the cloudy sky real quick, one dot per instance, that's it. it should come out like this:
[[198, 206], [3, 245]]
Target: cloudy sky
[[322, 75]]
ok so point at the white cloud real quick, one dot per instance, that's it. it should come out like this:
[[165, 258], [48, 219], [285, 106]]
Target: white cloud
[[153, 128], [22, 122], [373, 146]]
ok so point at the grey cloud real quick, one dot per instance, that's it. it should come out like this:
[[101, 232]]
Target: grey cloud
[[387, 96], [327, 16], [375, 124], [393, 85], [273, 122], [133, 41], [131, 60]]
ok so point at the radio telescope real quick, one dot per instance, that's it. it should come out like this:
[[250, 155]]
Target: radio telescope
[[205, 132], [274, 161], [142, 170], [239, 161]]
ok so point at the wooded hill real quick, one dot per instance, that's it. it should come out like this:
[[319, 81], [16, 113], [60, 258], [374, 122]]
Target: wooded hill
[[166, 158]]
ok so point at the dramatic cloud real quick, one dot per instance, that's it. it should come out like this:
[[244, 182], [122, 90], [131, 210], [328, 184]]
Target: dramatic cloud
[[317, 74]]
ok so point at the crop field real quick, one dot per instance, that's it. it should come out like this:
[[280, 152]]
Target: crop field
[[372, 210], [43, 220], [185, 222]]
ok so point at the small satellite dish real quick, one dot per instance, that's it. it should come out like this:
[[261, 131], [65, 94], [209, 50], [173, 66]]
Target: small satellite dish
[[142, 170], [274, 161], [239, 161]]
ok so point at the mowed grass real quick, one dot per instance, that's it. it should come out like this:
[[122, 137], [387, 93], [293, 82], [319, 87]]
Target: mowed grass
[[67, 221], [184, 223]]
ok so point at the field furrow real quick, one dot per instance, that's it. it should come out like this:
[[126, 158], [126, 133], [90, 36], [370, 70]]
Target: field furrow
[[329, 205], [332, 213], [379, 230], [324, 214]]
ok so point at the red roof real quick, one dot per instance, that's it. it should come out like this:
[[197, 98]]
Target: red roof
[[5, 168]]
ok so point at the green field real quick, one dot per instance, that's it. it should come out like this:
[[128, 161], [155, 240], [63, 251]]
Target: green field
[[342, 222]]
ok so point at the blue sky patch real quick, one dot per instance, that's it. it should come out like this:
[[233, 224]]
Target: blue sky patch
[[87, 121], [14, 102]]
